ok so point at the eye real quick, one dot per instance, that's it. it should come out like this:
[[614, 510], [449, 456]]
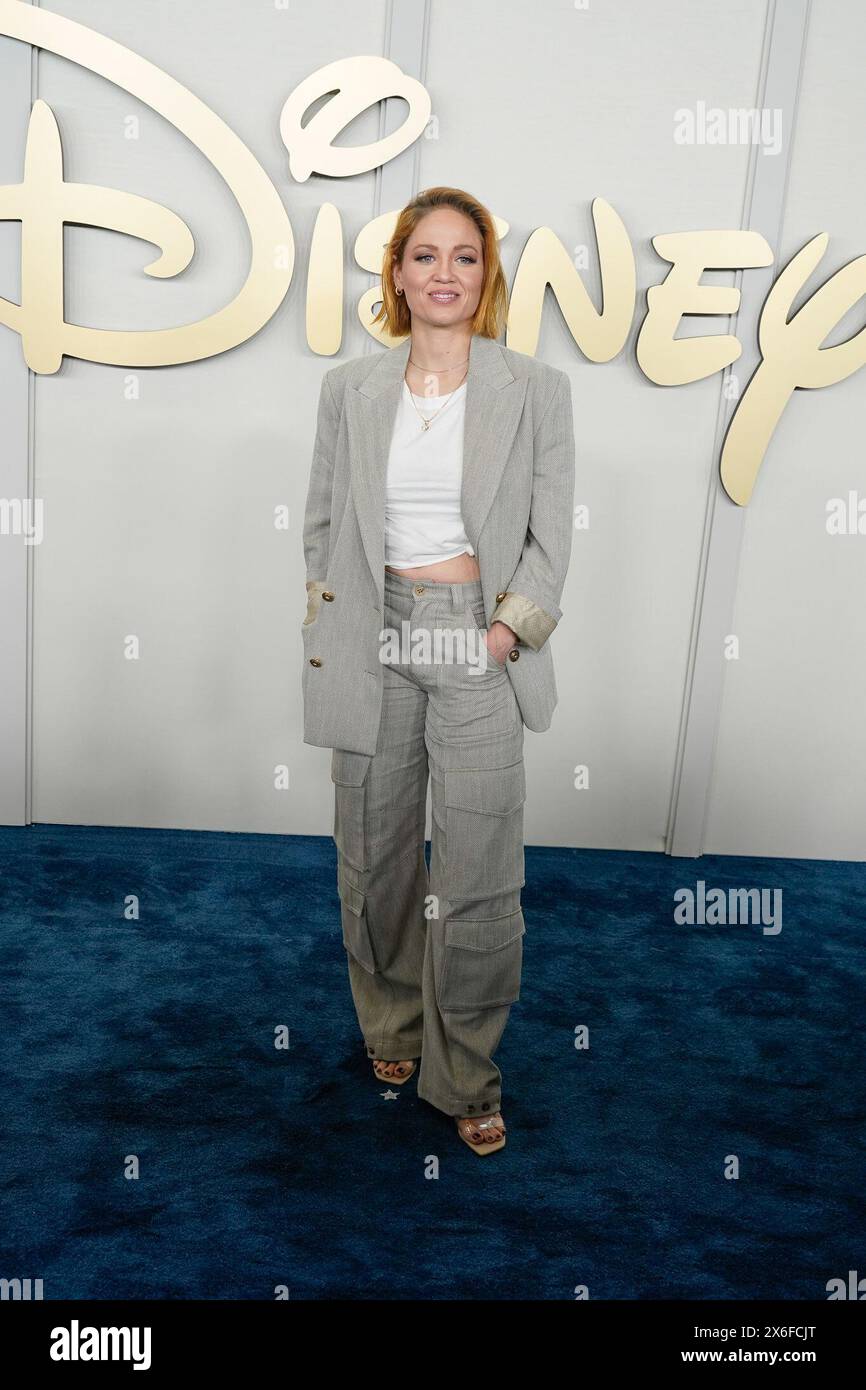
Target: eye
[[464, 256]]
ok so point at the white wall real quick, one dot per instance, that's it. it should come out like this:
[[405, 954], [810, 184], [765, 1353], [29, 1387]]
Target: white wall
[[159, 510], [791, 753]]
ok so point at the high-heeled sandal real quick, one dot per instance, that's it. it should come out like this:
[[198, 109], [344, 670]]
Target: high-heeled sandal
[[483, 1147], [394, 1080]]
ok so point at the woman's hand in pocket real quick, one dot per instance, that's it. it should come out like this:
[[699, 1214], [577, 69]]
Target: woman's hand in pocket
[[499, 639]]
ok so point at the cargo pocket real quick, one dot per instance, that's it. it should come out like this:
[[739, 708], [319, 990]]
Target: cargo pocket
[[482, 962], [348, 773], [484, 829], [356, 931]]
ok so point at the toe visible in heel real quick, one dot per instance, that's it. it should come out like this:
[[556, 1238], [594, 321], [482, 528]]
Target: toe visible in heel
[[465, 1125], [393, 1079]]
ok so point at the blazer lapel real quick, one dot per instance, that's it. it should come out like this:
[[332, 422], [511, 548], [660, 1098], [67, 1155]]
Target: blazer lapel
[[494, 401]]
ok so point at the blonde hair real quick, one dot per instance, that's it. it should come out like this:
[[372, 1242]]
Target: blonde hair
[[394, 312]]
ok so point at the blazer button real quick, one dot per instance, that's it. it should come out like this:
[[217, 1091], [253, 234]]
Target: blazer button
[[327, 595], [500, 597], [514, 654], [315, 661]]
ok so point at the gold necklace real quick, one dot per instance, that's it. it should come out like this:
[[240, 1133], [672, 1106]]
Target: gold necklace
[[440, 371], [427, 420]]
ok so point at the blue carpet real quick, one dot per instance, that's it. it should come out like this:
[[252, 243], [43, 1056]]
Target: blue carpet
[[261, 1167]]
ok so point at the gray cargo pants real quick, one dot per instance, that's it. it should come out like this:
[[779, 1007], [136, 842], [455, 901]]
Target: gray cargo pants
[[435, 960]]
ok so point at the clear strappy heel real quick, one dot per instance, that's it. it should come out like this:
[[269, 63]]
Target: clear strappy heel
[[482, 1147]]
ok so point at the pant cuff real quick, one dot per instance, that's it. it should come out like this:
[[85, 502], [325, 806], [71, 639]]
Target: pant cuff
[[461, 1109], [395, 1050]]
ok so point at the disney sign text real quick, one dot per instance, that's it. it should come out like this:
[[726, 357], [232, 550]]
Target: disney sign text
[[791, 351]]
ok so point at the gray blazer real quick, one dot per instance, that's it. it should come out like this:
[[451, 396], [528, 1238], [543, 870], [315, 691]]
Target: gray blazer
[[517, 499]]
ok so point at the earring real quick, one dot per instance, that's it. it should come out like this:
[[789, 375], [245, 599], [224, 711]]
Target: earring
[[399, 291]]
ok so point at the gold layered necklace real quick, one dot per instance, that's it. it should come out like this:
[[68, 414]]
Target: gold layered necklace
[[427, 420]]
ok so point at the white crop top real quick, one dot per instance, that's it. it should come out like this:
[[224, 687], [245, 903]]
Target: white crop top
[[423, 519]]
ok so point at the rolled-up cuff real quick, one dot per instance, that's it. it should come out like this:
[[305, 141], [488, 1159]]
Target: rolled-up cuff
[[531, 624], [315, 589]]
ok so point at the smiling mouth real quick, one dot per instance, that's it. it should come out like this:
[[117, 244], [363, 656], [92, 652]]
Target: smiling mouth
[[443, 295]]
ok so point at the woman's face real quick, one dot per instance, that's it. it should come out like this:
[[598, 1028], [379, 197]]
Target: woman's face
[[442, 270]]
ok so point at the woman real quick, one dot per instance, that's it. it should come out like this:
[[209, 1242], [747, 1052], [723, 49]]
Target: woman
[[440, 501]]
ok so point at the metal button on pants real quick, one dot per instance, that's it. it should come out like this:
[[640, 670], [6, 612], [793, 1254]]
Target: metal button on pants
[[435, 959]]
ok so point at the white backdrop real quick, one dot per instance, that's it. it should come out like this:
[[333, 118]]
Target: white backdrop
[[159, 509]]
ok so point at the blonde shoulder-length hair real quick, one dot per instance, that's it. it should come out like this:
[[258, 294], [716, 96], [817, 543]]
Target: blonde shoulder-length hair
[[493, 302]]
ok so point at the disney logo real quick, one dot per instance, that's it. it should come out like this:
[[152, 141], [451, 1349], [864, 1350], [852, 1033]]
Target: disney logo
[[792, 355]]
